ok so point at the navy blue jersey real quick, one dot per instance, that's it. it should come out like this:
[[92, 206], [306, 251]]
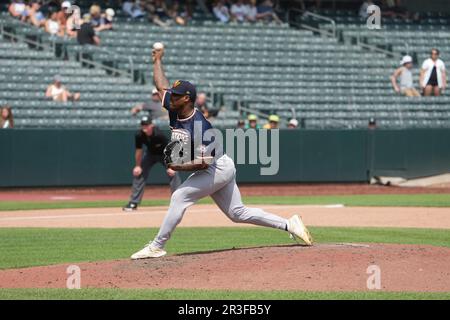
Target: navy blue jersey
[[186, 130]]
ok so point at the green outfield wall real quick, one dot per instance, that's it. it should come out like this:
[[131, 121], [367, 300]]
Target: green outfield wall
[[105, 157]]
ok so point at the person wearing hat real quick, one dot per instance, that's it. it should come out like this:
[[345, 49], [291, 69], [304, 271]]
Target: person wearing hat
[[200, 151], [63, 14], [106, 20], [406, 78], [149, 150], [252, 122], [153, 107], [293, 124], [273, 122], [58, 92], [372, 123]]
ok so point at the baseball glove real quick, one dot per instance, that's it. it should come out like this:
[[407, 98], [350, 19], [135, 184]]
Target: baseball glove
[[173, 152]]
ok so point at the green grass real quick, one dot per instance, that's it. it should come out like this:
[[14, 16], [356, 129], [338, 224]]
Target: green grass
[[22, 247], [172, 294], [389, 200]]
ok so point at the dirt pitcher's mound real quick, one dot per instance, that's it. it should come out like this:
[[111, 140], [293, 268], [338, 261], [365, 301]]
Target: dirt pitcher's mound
[[324, 267]]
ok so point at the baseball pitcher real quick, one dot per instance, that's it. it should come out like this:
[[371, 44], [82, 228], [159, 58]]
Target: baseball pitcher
[[194, 148]]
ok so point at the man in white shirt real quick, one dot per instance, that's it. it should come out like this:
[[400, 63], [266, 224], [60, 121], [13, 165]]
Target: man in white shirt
[[239, 11], [221, 11], [433, 76], [133, 9], [251, 10], [363, 9]]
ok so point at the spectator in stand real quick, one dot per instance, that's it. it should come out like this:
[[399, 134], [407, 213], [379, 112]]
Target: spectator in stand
[[96, 15], [52, 25], [133, 9], [252, 11], [63, 14], [18, 9], [73, 24], [266, 12], [221, 11], [106, 20], [201, 104], [293, 124], [86, 34], [316, 4], [162, 12], [394, 9], [58, 92], [433, 75], [52, 5], [176, 15], [253, 122], [273, 122], [363, 9], [35, 15], [241, 124], [188, 12], [406, 78], [154, 107], [6, 119], [158, 14], [239, 11]]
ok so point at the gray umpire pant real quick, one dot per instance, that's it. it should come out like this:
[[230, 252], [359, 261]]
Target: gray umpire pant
[[148, 161]]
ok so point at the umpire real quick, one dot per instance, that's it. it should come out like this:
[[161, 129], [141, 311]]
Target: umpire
[[154, 143]]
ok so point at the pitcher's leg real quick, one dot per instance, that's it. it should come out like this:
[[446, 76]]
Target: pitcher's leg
[[199, 185], [179, 202], [229, 201], [175, 182]]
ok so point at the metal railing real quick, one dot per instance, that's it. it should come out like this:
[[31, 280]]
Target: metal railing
[[51, 46], [331, 31], [328, 32], [93, 50], [257, 112], [375, 47], [22, 38]]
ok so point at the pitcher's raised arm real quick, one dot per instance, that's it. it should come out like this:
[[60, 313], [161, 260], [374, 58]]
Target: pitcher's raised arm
[[159, 77]]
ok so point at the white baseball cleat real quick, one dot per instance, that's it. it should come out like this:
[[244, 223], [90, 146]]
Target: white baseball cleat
[[298, 230], [149, 251]]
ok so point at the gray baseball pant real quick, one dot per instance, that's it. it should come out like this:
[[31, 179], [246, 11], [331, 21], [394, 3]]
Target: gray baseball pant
[[148, 161], [219, 182]]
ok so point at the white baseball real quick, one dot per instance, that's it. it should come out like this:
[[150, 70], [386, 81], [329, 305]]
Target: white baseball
[[158, 46]]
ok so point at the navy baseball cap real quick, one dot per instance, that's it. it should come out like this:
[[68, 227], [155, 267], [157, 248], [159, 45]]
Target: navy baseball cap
[[183, 87]]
